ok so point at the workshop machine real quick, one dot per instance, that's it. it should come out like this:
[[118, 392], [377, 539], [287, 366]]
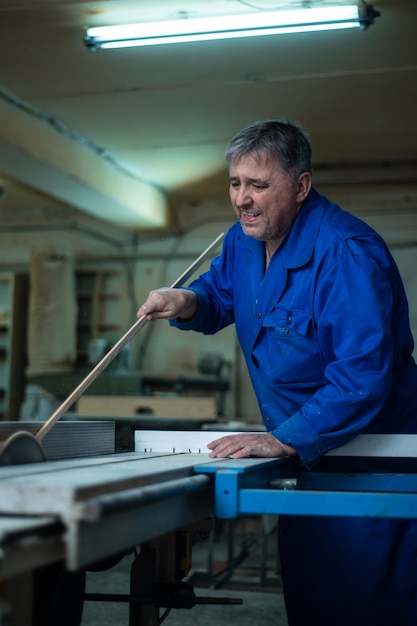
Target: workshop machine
[[88, 512], [83, 513]]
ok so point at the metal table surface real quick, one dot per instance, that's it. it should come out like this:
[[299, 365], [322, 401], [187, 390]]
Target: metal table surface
[[108, 504]]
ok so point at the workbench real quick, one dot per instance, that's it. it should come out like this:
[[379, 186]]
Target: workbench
[[87, 510], [108, 504]]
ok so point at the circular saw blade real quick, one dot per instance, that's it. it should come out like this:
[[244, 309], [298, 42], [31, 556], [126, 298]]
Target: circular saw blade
[[20, 448]]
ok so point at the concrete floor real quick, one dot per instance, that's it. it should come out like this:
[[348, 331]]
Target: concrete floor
[[255, 580]]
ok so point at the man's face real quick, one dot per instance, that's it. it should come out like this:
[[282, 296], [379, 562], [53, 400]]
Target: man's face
[[264, 198]]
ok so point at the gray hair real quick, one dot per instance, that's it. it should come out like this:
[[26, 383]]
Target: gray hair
[[281, 140]]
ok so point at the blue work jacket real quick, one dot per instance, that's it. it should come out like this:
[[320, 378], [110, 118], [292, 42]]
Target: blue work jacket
[[324, 331]]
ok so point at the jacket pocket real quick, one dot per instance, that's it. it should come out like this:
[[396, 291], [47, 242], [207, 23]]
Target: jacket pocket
[[288, 349]]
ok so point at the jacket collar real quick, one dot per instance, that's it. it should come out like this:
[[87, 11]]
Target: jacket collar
[[298, 243]]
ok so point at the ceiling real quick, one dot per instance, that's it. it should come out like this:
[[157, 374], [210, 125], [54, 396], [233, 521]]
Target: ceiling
[[125, 135]]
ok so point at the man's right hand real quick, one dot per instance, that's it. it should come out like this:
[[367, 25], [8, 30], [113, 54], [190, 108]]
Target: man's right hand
[[169, 304]]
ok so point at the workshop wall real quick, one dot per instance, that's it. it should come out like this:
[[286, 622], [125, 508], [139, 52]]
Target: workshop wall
[[143, 261]]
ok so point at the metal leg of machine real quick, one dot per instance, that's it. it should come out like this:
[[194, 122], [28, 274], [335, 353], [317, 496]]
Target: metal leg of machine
[[156, 580], [143, 576]]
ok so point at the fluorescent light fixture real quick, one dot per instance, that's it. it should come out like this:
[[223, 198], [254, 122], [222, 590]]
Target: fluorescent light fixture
[[230, 26]]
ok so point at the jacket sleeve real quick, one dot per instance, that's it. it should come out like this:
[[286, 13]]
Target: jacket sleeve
[[214, 290]]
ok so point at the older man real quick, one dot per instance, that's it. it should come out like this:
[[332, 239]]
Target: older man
[[322, 318]]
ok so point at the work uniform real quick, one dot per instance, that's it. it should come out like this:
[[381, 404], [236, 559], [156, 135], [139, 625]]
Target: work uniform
[[325, 334]]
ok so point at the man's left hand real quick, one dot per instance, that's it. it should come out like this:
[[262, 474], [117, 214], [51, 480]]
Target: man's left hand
[[249, 444]]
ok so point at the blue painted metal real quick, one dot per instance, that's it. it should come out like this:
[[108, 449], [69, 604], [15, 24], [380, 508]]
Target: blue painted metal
[[354, 504], [249, 487], [387, 483], [231, 475]]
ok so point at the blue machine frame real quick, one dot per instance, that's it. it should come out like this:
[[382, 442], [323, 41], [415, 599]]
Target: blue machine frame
[[278, 487]]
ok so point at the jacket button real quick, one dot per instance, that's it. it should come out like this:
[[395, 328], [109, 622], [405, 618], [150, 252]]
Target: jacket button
[[259, 314]]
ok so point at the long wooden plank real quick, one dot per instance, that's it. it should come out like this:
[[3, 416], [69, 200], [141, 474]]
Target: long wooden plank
[[385, 446], [192, 408], [116, 349], [176, 441]]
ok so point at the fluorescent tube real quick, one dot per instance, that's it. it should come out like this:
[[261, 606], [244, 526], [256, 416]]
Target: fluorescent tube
[[230, 26]]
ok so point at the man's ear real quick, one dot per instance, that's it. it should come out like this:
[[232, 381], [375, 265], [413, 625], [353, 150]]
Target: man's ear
[[303, 186]]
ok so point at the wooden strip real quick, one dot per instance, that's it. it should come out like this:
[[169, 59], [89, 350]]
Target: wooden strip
[[172, 406], [117, 348], [176, 441], [402, 446]]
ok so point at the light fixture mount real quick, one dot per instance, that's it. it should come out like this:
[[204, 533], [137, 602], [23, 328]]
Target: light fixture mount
[[367, 14]]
